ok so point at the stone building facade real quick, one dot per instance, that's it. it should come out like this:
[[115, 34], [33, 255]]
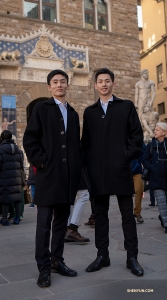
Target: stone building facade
[[36, 37], [154, 51]]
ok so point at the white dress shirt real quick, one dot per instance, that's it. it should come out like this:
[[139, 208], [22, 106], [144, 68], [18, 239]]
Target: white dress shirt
[[63, 109], [104, 105]]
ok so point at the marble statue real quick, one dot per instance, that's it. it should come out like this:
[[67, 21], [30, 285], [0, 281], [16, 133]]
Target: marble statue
[[149, 118], [144, 92], [144, 98]]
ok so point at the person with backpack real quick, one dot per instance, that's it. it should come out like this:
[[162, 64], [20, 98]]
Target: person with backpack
[[155, 161]]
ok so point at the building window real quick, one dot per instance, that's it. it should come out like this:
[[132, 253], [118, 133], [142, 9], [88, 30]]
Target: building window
[[89, 9], [160, 76], [96, 14], [102, 15], [40, 9], [161, 108]]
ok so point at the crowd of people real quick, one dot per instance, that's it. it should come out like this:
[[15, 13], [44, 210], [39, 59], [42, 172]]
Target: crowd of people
[[67, 172]]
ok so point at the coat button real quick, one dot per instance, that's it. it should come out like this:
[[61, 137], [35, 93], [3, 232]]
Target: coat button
[[61, 119], [63, 146], [62, 132], [103, 116], [64, 159]]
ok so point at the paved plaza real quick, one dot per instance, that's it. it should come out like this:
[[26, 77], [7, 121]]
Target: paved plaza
[[18, 272]]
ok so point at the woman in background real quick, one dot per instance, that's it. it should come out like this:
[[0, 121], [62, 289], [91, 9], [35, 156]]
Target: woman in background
[[11, 182], [155, 161]]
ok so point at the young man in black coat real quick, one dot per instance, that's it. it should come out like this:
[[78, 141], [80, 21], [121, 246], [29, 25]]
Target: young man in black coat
[[52, 144], [112, 137]]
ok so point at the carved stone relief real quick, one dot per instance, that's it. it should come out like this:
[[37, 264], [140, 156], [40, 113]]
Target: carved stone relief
[[36, 54]]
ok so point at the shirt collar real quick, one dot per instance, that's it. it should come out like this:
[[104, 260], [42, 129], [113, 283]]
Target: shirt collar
[[59, 102], [106, 103]]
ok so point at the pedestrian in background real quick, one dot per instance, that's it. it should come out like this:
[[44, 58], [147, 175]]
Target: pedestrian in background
[[137, 171], [11, 182], [72, 234], [31, 183], [155, 161]]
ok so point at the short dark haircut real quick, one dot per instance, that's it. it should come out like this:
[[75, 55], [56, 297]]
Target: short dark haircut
[[104, 71], [6, 135], [56, 72]]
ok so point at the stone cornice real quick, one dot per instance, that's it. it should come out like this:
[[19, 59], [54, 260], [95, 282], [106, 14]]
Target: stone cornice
[[72, 27], [156, 45], [41, 31]]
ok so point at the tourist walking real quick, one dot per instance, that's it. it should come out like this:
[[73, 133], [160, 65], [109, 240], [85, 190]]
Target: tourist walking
[[31, 183], [155, 161], [11, 178], [137, 170], [72, 234]]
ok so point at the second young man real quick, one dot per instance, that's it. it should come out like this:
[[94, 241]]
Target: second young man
[[112, 137]]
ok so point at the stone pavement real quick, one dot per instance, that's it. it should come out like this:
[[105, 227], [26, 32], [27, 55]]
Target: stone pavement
[[18, 272]]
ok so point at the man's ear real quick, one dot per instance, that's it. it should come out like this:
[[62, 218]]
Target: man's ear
[[95, 86], [49, 88]]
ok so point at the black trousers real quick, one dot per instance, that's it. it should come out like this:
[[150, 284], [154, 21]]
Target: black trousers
[[128, 224], [152, 198], [59, 213], [5, 210]]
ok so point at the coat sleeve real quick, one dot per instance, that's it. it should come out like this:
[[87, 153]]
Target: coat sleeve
[[85, 142], [135, 135], [32, 138], [1, 161], [147, 157]]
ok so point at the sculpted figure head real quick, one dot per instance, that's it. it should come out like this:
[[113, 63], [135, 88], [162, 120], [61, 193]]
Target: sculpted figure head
[[145, 74]]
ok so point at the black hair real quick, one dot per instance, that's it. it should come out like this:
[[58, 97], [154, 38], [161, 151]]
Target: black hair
[[6, 135], [56, 72], [104, 71]]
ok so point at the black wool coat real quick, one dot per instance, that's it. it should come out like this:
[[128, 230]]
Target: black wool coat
[[157, 168], [109, 143], [46, 142], [31, 176], [11, 163]]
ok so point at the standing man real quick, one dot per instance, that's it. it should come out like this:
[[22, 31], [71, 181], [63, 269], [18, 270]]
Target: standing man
[[52, 144], [112, 137]]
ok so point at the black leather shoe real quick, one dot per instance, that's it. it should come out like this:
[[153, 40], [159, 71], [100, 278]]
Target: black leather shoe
[[44, 278], [160, 218], [99, 263], [60, 267], [133, 264]]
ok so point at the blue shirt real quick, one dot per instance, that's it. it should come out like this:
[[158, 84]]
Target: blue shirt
[[104, 105], [63, 109]]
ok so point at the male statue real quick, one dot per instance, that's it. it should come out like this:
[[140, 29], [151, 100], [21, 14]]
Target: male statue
[[144, 92], [149, 118]]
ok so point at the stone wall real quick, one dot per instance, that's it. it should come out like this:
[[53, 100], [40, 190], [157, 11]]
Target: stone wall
[[13, 7], [117, 50]]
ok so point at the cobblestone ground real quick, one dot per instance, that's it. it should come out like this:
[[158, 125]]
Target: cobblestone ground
[[18, 272]]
